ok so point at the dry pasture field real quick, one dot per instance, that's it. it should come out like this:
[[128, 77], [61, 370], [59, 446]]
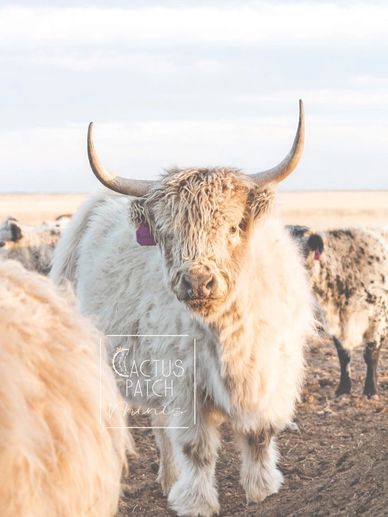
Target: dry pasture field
[[317, 209], [337, 463]]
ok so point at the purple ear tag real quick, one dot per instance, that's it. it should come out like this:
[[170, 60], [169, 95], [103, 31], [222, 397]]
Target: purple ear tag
[[144, 236]]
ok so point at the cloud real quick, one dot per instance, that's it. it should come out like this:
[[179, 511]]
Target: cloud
[[339, 98], [196, 85], [255, 25], [85, 62], [345, 155]]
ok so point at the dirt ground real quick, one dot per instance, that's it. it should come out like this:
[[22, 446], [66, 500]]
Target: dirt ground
[[335, 465]]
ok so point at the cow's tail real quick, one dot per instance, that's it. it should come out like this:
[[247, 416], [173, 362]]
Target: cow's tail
[[65, 257]]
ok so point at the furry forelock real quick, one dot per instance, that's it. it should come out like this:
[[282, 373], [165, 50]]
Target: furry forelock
[[193, 205]]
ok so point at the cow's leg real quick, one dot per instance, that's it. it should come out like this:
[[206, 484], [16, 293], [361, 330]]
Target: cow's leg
[[167, 474], [344, 357], [371, 357], [195, 450], [259, 475]]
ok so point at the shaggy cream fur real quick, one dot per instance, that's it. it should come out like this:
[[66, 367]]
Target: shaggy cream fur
[[249, 334], [57, 459]]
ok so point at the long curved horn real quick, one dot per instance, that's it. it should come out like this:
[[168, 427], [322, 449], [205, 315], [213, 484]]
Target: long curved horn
[[285, 167], [126, 186]]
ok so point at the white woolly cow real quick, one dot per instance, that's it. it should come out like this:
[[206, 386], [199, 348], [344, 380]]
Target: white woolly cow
[[224, 271], [32, 246], [348, 270], [58, 456]]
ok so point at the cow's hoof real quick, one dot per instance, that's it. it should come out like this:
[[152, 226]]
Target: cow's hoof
[[343, 389], [257, 488], [190, 501], [371, 394], [292, 426]]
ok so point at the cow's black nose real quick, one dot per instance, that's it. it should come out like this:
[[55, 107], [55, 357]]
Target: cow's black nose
[[198, 285]]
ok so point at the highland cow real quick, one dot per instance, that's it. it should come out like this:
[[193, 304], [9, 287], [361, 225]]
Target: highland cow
[[62, 449], [32, 246], [199, 254]]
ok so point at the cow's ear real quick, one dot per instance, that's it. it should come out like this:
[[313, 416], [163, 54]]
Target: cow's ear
[[136, 211], [315, 243], [260, 201], [16, 232]]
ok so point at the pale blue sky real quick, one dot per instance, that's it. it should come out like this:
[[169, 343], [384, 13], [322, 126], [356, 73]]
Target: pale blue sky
[[192, 83]]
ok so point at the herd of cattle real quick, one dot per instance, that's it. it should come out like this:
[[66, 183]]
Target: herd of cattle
[[348, 271], [198, 254]]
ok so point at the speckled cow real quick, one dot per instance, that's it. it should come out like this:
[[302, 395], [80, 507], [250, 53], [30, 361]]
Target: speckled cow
[[349, 274]]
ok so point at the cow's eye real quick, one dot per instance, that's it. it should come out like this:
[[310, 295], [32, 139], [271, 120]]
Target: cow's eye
[[233, 230]]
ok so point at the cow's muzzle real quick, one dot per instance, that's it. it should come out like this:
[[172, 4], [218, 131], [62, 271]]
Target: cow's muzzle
[[197, 284]]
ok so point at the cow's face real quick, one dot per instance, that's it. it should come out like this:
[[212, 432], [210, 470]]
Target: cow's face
[[202, 220], [9, 232]]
